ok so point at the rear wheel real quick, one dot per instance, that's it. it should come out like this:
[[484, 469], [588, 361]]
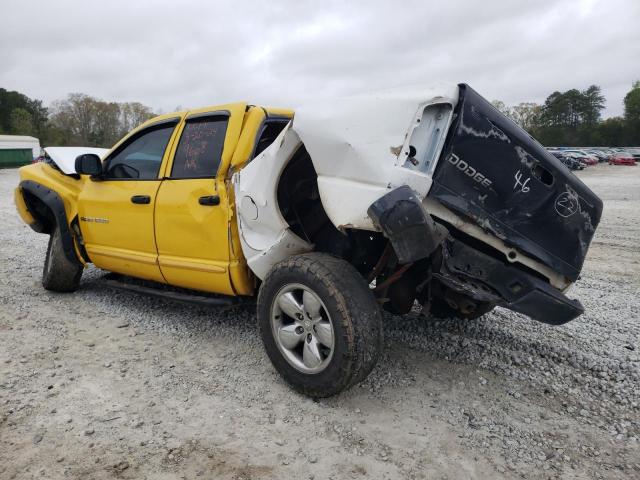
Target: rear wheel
[[320, 324], [59, 273]]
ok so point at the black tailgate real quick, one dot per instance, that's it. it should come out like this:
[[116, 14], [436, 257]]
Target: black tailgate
[[495, 173]]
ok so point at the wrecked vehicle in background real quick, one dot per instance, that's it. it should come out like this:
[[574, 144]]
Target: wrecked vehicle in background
[[428, 197]]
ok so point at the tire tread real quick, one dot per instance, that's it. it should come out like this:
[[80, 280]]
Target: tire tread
[[59, 273], [359, 313]]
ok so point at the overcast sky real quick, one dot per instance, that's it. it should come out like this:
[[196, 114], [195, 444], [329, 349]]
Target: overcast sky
[[190, 54]]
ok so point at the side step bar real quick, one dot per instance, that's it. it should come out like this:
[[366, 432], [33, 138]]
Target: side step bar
[[174, 295]]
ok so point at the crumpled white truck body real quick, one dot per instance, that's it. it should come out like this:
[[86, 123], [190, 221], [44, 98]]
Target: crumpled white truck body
[[359, 147], [374, 158], [264, 233]]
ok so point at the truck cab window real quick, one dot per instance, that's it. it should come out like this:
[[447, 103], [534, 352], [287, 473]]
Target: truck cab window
[[200, 149], [270, 132], [141, 155]]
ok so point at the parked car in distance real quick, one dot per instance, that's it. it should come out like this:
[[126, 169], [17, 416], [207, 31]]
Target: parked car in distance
[[599, 154], [609, 152], [581, 156], [622, 159], [635, 152], [567, 161]]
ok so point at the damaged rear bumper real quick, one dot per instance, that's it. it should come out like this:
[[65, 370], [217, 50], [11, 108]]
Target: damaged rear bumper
[[485, 278], [474, 271]]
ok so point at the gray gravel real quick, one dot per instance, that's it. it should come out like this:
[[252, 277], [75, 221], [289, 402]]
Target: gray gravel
[[103, 384]]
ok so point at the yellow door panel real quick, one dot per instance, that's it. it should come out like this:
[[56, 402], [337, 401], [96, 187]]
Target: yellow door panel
[[118, 234], [23, 211], [124, 255], [116, 210], [193, 243], [199, 265], [192, 211], [126, 262]]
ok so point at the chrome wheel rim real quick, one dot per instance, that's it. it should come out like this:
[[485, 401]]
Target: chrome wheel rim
[[302, 328]]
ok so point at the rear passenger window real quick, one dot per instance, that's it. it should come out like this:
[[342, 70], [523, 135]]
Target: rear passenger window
[[200, 148], [269, 133]]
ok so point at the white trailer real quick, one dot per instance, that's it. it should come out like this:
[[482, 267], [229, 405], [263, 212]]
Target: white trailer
[[19, 142]]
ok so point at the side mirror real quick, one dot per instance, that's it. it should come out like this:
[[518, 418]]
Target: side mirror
[[88, 164]]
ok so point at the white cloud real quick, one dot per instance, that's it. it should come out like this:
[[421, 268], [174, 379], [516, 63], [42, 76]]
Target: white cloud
[[197, 53]]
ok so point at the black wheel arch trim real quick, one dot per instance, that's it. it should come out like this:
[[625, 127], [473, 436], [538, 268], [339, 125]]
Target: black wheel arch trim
[[52, 200]]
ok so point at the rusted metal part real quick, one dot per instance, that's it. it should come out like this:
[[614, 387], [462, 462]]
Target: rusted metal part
[[393, 278], [384, 258]]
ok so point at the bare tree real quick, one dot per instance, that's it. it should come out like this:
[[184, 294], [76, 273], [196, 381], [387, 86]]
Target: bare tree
[[89, 121], [527, 115]]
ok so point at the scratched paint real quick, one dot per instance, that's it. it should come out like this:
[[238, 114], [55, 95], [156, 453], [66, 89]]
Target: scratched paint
[[519, 207]]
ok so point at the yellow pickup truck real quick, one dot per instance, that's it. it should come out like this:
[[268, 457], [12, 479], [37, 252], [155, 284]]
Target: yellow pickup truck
[[424, 198]]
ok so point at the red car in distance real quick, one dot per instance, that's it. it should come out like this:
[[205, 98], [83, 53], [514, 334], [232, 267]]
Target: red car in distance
[[588, 160], [621, 158]]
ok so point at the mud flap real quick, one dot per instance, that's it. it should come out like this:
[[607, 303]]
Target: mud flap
[[403, 219]]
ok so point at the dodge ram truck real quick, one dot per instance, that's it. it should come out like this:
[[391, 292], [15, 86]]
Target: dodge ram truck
[[412, 198]]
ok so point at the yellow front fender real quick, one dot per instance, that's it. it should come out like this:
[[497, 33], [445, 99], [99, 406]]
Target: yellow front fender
[[21, 206]]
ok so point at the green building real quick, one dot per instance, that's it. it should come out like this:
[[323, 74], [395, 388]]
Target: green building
[[18, 150]]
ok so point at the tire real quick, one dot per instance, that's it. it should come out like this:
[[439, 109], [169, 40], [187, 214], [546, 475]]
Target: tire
[[341, 299], [59, 273]]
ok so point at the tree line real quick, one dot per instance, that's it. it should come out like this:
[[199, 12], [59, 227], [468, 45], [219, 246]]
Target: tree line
[[574, 118], [78, 119], [571, 118]]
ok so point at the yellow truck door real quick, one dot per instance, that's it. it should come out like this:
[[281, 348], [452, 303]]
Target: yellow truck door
[[116, 210], [192, 207]]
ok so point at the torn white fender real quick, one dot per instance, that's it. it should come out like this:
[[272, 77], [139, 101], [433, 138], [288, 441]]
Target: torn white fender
[[264, 235], [360, 146]]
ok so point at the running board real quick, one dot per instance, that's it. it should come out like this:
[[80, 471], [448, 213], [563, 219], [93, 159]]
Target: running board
[[174, 295]]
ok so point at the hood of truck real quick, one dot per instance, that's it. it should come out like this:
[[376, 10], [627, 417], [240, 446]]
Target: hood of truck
[[495, 174], [65, 157]]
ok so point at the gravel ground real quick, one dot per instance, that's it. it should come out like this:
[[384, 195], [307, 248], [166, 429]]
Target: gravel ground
[[104, 384]]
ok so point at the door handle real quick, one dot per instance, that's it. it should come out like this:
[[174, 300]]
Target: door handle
[[143, 199], [209, 200]]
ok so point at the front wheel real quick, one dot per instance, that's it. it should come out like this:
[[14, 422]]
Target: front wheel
[[59, 273], [320, 323]]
